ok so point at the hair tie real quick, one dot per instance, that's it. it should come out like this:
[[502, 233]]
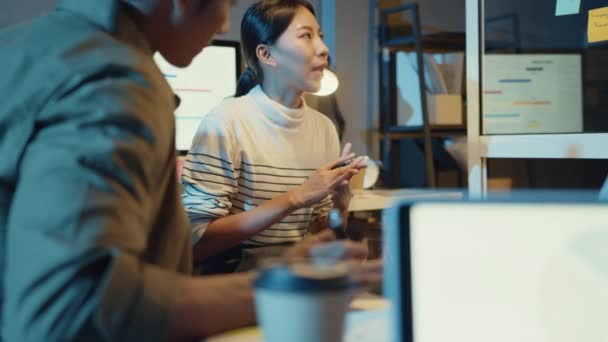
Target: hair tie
[[251, 71]]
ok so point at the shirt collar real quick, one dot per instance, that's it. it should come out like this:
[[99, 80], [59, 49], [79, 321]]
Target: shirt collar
[[101, 12], [110, 16], [286, 117]]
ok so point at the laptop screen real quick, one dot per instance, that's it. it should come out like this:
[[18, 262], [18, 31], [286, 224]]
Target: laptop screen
[[476, 272]]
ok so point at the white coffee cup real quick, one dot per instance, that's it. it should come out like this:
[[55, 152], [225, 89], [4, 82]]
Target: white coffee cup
[[302, 302]]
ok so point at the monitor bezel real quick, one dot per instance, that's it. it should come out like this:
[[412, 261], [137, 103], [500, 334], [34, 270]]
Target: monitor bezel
[[398, 274]]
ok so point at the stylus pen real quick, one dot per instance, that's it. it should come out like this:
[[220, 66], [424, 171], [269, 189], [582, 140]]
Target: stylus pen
[[336, 223], [342, 164]]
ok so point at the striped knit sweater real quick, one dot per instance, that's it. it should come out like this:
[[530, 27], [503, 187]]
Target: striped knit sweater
[[250, 149]]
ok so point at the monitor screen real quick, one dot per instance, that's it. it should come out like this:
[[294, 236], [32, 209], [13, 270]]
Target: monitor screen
[[474, 271], [535, 93], [211, 77]]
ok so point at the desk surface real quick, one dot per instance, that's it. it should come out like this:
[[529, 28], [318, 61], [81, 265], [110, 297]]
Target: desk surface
[[382, 198]]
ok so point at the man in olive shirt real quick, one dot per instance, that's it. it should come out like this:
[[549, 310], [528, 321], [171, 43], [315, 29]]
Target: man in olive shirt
[[95, 243]]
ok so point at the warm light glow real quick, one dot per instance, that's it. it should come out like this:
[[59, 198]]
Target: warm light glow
[[329, 83]]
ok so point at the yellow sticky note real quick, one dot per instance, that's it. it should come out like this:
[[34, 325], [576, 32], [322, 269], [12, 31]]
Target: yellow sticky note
[[597, 29]]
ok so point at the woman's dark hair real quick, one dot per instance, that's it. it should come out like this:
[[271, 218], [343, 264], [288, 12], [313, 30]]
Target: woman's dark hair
[[263, 23]]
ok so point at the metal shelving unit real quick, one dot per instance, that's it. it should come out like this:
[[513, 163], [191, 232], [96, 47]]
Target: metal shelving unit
[[394, 39]]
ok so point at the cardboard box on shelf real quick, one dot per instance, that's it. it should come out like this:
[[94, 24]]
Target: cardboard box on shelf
[[445, 109], [443, 86], [500, 184]]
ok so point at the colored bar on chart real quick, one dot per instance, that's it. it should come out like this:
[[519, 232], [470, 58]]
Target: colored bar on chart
[[502, 115], [198, 90], [532, 103], [515, 80]]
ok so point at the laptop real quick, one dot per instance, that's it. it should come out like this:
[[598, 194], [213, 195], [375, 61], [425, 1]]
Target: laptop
[[508, 270]]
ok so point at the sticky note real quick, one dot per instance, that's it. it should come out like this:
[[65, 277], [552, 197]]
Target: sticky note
[[597, 29], [566, 7]]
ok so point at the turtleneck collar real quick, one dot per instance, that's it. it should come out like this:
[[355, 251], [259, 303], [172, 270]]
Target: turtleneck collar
[[276, 112]]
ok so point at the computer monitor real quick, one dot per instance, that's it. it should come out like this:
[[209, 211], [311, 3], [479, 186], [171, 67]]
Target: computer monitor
[[211, 77], [532, 93], [497, 271]]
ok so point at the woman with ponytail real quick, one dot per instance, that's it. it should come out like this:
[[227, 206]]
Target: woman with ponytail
[[262, 170], [247, 81]]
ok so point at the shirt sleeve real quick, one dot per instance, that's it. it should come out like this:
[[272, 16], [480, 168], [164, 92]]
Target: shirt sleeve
[[81, 215], [210, 174], [322, 208]]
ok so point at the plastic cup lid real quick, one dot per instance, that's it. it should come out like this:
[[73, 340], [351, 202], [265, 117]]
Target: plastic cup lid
[[304, 278]]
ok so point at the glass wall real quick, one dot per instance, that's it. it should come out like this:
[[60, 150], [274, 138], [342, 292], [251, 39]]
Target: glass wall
[[544, 67]]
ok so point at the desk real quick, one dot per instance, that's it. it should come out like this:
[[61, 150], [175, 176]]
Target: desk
[[367, 322], [365, 205], [367, 200]]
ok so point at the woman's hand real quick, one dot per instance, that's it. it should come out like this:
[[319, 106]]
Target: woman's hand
[[323, 182], [325, 245], [341, 195]]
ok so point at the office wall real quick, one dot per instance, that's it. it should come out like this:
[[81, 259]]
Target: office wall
[[355, 61], [235, 20], [446, 15]]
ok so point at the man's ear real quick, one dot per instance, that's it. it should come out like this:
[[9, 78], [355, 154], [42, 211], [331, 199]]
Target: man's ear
[[264, 55], [179, 8]]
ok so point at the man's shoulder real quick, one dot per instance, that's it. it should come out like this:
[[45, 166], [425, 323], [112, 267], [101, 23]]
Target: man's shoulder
[[59, 45], [54, 53]]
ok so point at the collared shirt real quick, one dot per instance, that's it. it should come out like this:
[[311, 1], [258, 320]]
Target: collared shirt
[[92, 229]]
